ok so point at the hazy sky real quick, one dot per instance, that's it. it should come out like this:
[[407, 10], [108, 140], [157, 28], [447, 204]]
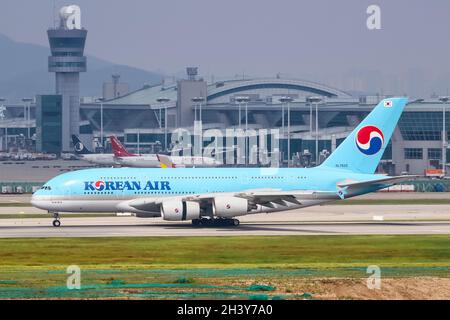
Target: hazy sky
[[309, 39]]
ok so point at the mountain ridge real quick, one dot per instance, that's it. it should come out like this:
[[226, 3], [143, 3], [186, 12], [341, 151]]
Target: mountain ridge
[[23, 72]]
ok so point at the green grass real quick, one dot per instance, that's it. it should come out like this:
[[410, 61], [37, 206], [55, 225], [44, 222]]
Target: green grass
[[209, 267], [227, 252], [15, 204]]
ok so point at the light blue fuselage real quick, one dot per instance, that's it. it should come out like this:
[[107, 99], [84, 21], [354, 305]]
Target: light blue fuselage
[[102, 190]]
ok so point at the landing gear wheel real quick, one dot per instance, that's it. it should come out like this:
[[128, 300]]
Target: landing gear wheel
[[235, 222], [196, 222], [56, 222], [205, 221]]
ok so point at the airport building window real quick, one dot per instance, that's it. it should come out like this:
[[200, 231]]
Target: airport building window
[[68, 65], [434, 154], [49, 116], [67, 42], [413, 153], [67, 54], [422, 126], [387, 155]]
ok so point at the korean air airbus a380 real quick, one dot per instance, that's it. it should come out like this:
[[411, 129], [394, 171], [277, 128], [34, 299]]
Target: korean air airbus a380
[[219, 195]]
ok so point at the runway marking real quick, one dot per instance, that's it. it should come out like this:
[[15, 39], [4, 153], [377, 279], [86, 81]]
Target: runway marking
[[85, 228]]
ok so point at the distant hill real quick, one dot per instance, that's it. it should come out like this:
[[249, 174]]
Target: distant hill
[[23, 72]]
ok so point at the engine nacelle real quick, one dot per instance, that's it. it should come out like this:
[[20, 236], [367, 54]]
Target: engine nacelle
[[177, 210], [230, 207]]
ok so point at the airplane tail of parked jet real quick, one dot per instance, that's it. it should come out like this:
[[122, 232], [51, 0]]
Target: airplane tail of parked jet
[[79, 147], [118, 148], [165, 161], [362, 150]]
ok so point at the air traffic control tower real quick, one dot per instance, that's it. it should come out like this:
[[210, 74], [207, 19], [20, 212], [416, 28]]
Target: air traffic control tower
[[67, 60]]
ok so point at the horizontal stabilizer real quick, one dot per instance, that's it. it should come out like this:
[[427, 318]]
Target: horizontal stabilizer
[[381, 181]]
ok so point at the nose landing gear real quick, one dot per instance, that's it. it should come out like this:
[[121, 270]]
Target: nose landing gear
[[56, 222]]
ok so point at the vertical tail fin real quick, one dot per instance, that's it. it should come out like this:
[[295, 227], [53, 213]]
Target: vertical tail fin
[[78, 146], [118, 149], [362, 150]]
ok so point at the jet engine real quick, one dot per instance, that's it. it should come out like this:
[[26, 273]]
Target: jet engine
[[226, 207], [177, 210]]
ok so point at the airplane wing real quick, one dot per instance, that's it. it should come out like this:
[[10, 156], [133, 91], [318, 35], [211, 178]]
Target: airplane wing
[[283, 198], [271, 197], [264, 197]]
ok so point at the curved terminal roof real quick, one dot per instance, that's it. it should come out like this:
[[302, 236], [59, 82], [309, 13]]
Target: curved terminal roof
[[148, 95], [271, 86], [221, 91]]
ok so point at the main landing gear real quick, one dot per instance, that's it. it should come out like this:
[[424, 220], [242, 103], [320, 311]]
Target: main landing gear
[[215, 222], [56, 222]]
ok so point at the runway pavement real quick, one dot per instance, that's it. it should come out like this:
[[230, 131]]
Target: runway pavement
[[321, 220], [312, 214]]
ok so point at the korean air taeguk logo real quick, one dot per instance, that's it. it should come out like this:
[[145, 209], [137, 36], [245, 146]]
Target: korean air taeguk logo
[[99, 185], [369, 140]]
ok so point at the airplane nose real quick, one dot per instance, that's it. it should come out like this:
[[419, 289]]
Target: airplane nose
[[37, 201], [34, 200]]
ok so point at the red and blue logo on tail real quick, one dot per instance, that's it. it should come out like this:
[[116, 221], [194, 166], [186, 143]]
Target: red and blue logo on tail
[[369, 140]]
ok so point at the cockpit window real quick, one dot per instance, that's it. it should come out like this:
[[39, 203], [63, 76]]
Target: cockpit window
[[46, 188]]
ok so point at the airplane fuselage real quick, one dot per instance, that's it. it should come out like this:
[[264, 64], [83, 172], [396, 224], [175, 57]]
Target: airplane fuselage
[[151, 161], [107, 159], [109, 189]]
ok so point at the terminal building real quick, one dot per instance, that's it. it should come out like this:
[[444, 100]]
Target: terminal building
[[139, 118], [144, 119]]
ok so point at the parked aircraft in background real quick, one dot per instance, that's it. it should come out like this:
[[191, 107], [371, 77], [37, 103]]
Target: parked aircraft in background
[[128, 159], [165, 161], [83, 153], [219, 195]]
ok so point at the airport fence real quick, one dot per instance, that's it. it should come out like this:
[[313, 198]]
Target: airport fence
[[428, 185], [19, 187]]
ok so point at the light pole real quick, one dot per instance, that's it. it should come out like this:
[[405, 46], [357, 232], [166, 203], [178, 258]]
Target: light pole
[[101, 119], [26, 114], [138, 142], [444, 101], [162, 101], [198, 101], [198, 140], [240, 100], [239, 113], [288, 101], [316, 100], [2, 109]]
